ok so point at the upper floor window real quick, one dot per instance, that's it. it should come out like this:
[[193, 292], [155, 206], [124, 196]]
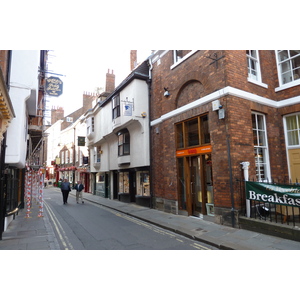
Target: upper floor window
[[97, 154], [90, 126], [123, 143], [177, 55], [71, 155], [288, 65], [116, 106], [260, 147], [253, 65], [67, 156], [62, 153]]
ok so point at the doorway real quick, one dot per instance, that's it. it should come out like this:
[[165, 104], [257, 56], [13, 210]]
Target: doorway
[[294, 157], [196, 184]]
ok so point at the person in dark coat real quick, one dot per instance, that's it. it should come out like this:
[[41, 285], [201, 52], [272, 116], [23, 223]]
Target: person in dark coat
[[65, 189], [79, 187]]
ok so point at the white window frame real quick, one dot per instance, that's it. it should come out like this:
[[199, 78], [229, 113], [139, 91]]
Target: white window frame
[[67, 156], [264, 148], [251, 78], [293, 82], [178, 62], [71, 155], [297, 129], [97, 154], [288, 147]]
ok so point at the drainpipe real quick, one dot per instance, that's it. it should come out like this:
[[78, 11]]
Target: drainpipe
[[150, 143], [245, 167], [230, 182]]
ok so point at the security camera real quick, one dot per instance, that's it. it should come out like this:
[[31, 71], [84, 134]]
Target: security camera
[[166, 94]]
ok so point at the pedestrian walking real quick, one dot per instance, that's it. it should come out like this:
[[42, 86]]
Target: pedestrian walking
[[65, 189], [79, 188]]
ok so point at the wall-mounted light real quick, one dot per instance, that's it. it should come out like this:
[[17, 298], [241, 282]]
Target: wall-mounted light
[[166, 93], [143, 114]]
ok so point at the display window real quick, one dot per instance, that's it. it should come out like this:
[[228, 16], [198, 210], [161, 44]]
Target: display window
[[143, 183], [124, 182]]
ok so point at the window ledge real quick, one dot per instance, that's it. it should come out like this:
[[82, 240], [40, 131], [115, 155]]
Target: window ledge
[[124, 160], [288, 85], [257, 83]]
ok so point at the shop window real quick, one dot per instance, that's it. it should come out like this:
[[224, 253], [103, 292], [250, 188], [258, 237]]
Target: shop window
[[194, 132], [181, 184], [260, 147], [124, 182], [123, 143], [143, 183], [288, 65], [116, 106]]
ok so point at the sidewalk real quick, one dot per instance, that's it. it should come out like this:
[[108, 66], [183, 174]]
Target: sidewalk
[[37, 233]]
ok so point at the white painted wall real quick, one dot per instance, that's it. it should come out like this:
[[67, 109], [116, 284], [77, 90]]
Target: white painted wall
[[24, 96]]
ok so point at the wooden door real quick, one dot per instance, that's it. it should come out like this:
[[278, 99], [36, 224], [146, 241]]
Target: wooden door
[[294, 157]]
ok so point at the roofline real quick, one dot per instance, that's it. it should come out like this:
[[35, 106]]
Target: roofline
[[124, 83]]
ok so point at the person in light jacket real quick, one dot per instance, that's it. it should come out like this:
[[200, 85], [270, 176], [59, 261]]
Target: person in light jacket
[[79, 187], [65, 189]]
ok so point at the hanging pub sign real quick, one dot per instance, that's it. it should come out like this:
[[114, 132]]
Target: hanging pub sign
[[54, 86], [288, 195], [81, 141]]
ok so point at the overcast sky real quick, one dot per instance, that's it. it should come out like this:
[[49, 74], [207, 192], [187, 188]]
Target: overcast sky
[[84, 70]]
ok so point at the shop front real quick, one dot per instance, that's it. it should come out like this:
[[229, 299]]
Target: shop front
[[133, 185], [102, 186], [194, 167], [83, 174]]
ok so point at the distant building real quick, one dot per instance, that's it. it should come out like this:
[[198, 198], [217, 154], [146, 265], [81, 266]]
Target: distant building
[[118, 140]]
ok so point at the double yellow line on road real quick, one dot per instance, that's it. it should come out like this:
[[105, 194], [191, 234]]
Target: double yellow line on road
[[59, 229]]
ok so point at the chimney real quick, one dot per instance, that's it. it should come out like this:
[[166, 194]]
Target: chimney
[[133, 59], [110, 82], [57, 114]]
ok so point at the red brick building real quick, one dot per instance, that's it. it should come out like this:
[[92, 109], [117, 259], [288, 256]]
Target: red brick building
[[211, 110]]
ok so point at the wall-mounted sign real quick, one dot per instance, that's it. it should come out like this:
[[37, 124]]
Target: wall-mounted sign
[[288, 195], [81, 141], [194, 151], [128, 109], [54, 86]]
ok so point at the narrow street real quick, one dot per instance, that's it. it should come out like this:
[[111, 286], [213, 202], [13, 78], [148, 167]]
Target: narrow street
[[90, 226]]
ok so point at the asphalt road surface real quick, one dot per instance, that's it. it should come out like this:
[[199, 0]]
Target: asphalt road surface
[[91, 226]]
